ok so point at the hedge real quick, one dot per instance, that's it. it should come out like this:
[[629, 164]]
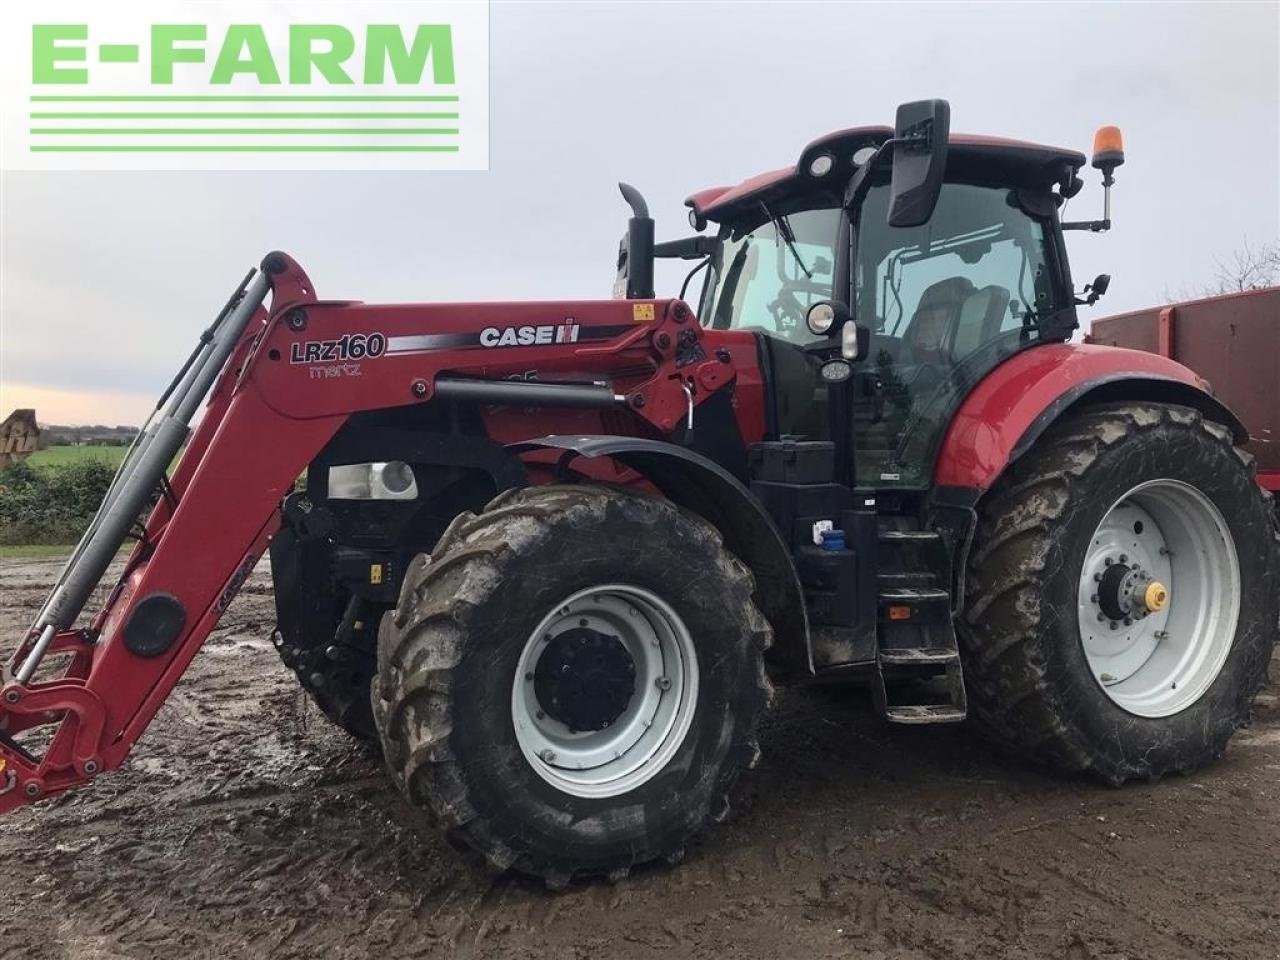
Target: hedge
[[50, 505]]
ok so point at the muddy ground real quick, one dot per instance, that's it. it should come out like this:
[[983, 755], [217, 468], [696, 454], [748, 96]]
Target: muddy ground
[[244, 825]]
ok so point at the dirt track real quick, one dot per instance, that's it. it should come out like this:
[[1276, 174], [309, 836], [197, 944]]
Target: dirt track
[[244, 825]]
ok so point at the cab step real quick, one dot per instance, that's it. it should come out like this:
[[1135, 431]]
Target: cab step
[[909, 595], [909, 536], [918, 656], [925, 713], [918, 677]]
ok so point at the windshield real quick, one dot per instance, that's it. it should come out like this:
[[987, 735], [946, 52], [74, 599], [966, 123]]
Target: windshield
[[767, 278]]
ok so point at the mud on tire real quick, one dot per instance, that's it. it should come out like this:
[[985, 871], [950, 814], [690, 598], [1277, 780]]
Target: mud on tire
[[447, 659], [1029, 681]]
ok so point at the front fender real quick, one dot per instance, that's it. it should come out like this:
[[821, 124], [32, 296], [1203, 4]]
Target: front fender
[[1017, 401], [707, 489]]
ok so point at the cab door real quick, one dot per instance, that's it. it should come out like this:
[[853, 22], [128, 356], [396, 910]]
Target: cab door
[[946, 302]]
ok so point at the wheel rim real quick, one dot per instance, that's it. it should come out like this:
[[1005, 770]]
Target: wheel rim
[[1159, 598], [605, 690]]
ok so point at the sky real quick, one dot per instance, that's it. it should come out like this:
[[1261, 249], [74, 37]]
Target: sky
[[106, 279]]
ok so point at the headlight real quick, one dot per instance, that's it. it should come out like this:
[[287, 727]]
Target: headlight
[[821, 165], [820, 318], [392, 480]]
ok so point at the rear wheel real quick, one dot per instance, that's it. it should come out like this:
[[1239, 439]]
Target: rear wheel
[[572, 680], [1121, 603]]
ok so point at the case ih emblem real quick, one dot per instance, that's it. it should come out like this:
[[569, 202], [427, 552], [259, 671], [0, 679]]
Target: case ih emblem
[[566, 332]]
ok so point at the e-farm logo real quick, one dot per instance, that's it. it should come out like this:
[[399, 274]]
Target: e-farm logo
[[210, 85]]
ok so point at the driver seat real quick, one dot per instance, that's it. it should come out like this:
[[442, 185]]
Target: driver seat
[[930, 342]]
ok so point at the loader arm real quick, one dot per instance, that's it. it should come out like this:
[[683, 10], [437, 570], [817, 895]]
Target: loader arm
[[281, 381]]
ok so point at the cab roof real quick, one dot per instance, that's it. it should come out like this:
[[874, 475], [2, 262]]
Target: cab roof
[[1015, 162]]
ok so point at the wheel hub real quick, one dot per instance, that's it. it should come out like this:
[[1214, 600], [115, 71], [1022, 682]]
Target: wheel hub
[[605, 690], [585, 679], [1127, 591], [1158, 597]]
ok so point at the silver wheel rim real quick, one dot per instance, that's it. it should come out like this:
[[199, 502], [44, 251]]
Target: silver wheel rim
[[1155, 660], [641, 741]]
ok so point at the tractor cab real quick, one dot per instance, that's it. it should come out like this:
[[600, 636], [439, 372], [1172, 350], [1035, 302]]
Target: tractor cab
[[942, 296]]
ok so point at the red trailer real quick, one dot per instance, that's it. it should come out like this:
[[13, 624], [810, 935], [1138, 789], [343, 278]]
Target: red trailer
[[1233, 341]]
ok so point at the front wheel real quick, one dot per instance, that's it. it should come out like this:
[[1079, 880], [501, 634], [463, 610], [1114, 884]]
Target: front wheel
[[1121, 601], [572, 680]]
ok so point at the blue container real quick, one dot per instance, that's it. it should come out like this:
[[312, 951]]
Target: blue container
[[833, 540]]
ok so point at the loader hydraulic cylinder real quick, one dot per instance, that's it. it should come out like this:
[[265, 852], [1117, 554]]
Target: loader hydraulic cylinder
[[137, 478]]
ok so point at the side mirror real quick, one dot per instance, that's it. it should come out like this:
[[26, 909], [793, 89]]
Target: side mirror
[[919, 161], [1093, 291]]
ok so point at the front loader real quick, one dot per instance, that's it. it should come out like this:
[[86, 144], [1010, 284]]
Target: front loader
[[550, 557]]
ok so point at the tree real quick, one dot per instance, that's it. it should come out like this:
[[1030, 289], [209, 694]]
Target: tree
[[1248, 268]]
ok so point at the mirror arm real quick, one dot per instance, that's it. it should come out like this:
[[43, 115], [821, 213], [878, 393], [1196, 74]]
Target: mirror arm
[[688, 248], [861, 181], [1093, 226]]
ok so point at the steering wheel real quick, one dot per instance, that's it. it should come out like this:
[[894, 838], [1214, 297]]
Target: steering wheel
[[786, 311]]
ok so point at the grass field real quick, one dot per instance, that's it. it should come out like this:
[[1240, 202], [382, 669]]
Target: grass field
[[33, 551], [60, 456]]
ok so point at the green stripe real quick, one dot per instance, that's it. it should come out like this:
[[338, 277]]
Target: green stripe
[[243, 99], [244, 116], [266, 148], [166, 131]]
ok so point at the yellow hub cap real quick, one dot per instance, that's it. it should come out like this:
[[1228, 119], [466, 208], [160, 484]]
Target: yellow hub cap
[[1156, 597]]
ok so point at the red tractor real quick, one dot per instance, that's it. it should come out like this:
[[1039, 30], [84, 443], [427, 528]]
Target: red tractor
[[548, 556]]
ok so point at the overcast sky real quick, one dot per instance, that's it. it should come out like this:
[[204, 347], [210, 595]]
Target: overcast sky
[[109, 277]]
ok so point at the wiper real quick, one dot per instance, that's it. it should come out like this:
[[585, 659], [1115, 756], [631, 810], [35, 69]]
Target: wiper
[[783, 226]]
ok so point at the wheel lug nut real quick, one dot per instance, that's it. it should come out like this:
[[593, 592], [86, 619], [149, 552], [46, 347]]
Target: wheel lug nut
[[1097, 578], [1101, 616], [1094, 598], [1123, 558], [1107, 561], [1128, 621], [1114, 625]]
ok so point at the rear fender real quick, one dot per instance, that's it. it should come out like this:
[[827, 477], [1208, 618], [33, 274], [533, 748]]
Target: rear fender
[[1015, 403], [707, 489]]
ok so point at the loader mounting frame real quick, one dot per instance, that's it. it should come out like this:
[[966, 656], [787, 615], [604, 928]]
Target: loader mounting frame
[[281, 381]]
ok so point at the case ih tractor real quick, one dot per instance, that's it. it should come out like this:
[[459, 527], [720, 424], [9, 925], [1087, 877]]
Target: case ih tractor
[[548, 556]]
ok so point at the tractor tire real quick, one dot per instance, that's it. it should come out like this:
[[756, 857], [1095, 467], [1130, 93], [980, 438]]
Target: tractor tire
[[487, 664], [1051, 670]]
